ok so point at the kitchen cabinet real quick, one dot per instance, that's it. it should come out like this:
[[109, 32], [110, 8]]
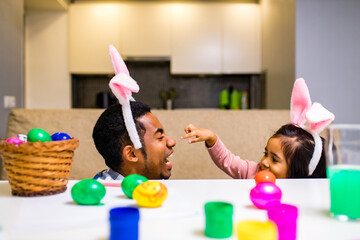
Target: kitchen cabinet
[[200, 38], [92, 28], [241, 39], [196, 38], [147, 29], [216, 38]]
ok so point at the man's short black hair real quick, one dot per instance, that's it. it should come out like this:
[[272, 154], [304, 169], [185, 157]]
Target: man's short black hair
[[110, 135]]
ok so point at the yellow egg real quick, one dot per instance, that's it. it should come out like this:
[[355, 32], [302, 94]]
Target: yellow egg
[[150, 194]]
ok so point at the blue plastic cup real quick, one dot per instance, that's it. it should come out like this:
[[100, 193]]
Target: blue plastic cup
[[124, 223]]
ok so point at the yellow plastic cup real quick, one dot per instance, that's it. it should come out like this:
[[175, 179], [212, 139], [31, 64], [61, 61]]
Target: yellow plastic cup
[[257, 230]]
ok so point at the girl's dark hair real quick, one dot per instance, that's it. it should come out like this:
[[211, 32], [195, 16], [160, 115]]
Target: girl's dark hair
[[110, 135], [298, 147]]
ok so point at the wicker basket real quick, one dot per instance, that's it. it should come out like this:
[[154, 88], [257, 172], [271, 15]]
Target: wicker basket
[[38, 168]]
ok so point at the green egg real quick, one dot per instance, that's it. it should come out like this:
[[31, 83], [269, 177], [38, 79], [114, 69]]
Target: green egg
[[37, 134], [130, 182], [88, 192]]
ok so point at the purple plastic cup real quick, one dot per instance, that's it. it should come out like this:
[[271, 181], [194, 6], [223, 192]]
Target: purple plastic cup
[[285, 217]]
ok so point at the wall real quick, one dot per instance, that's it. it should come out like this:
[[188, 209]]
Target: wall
[[192, 91], [327, 54], [11, 56], [47, 78], [278, 50]]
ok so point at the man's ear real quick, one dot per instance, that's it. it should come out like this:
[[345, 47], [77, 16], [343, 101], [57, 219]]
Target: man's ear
[[128, 154]]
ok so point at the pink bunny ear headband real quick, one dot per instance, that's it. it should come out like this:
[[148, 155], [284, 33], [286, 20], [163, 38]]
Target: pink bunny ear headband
[[302, 111], [122, 85]]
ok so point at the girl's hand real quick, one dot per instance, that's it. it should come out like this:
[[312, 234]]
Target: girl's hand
[[200, 134]]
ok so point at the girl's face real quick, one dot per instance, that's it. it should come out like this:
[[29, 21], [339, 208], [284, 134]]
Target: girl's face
[[273, 159]]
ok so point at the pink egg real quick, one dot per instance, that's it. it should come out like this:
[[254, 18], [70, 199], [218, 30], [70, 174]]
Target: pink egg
[[14, 140], [264, 193]]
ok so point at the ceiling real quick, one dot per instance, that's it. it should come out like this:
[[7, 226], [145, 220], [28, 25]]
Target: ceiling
[[240, 1], [56, 5], [62, 5]]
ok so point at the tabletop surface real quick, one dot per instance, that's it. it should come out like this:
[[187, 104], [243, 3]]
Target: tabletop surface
[[180, 217]]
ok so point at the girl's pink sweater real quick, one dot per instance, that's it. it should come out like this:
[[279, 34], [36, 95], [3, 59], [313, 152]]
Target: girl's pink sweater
[[233, 165]]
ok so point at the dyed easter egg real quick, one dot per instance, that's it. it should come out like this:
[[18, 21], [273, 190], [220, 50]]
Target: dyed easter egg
[[130, 182], [150, 194], [22, 137], [59, 136], [15, 140], [88, 192], [265, 176], [37, 134], [264, 193]]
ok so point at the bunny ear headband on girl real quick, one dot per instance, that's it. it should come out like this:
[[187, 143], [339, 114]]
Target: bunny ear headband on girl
[[302, 111], [122, 86]]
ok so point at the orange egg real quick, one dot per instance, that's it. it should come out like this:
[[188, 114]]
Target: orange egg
[[265, 176], [150, 194]]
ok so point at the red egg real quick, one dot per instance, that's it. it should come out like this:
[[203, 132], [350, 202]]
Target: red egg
[[265, 176]]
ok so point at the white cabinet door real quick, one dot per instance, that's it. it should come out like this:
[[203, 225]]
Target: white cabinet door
[[92, 28], [147, 29], [196, 38], [241, 38]]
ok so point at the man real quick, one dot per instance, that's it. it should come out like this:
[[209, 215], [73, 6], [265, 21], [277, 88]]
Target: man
[[113, 143]]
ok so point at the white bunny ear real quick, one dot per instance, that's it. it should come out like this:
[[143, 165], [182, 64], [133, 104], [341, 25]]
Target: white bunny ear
[[319, 117], [300, 102], [122, 85], [117, 61]]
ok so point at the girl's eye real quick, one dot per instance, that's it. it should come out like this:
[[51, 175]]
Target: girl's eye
[[161, 137], [274, 160], [265, 154]]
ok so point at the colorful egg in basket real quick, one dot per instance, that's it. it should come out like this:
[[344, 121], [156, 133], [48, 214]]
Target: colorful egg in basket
[[38, 168]]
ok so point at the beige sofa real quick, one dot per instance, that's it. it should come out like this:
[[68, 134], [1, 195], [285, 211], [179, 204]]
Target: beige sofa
[[244, 132]]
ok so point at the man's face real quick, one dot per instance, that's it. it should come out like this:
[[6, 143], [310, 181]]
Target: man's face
[[158, 148]]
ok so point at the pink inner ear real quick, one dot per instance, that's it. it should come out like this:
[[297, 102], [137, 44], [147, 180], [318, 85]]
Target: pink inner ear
[[318, 125], [300, 102], [122, 90], [117, 61]]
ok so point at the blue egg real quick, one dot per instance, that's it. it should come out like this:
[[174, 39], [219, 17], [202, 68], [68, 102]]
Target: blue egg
[[60, 136]]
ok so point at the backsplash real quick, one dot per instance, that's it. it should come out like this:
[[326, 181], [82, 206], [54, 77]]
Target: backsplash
[[192, 91]]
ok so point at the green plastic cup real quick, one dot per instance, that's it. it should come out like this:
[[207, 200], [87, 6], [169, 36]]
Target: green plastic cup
[[343, 170], [219, 223]]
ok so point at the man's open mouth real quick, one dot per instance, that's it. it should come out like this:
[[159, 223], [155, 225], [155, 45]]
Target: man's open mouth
[[167, 160]]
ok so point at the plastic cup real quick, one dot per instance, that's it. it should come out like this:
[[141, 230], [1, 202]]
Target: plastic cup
[[257, 230], [124, 223], [218, 219], [285, 217], [343, 170]]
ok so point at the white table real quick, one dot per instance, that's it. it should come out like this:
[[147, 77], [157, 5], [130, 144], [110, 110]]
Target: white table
[[180, 217]]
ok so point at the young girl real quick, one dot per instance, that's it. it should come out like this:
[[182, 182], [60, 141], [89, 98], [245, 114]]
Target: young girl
[[287, 154], [294, 151]]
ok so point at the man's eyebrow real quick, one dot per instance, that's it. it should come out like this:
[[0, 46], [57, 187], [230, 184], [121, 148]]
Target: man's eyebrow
[[159, 130]]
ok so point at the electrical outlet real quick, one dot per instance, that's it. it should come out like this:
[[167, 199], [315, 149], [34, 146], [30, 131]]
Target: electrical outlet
[[9, 102]]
